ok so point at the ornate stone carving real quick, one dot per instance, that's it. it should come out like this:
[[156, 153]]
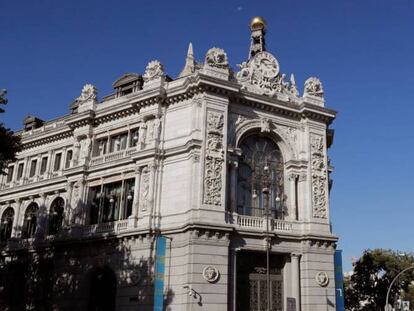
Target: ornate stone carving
[[261, 75], [144, 191], [88, 98], [288, 133], [85, 148], [264, 125], [214, 158], [156, 128], [154, 70], [89, 92], [319, 177], [234, 122], [211, 274], [76, 194], [216, 57], [322, 278], [313, 87]]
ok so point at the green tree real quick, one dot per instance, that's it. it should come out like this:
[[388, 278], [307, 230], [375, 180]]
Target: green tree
[[9, 143], [367, 287]]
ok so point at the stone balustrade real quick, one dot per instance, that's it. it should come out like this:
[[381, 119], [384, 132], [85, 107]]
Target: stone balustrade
[[112, 156], [259, 223]]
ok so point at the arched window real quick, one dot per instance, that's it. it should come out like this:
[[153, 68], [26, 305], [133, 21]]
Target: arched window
[[56, 215], [260, 178], [6, 224], [30, 220], [102, 293]]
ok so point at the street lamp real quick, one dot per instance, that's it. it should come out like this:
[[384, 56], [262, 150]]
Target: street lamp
[[392, 283], [264, 177]]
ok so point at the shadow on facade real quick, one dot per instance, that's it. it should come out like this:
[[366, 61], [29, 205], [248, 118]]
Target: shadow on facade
[[68, 273]]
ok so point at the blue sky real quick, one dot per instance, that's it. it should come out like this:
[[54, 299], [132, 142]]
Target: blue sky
[[361, 50]]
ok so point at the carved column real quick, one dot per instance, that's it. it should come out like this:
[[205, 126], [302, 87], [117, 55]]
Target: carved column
[[68, 207], [302, 196], [295, 268], [152, 167], [76, 152], [16, 228], [233, 185], [292, 196], [41, 226], [135, 202]]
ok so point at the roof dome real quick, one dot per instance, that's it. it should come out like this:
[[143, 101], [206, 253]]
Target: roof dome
[[257, 23]]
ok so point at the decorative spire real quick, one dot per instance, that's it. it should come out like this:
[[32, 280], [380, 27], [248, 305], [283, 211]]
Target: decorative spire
[[190, 64], [257, 38], [292, 86]]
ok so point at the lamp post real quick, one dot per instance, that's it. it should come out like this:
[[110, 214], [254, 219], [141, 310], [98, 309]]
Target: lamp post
[[264, 177], [392, 283]]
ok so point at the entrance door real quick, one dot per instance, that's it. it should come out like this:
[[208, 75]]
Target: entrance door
[[251, 282], [258, 292]]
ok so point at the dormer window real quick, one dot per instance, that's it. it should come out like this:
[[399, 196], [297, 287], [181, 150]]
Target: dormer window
[[127, 84]]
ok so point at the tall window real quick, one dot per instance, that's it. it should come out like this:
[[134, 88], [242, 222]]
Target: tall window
[[260, 178], [20, 171], [43, 165], [57, 209], [69, 156], [112, 201], [100, 147], [33, 166], [134, 137], [10, 172], [118, 142], [6, 224], [30, 220], [58, 160]]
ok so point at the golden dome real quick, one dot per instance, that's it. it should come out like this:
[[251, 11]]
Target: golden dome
[[257, 23]]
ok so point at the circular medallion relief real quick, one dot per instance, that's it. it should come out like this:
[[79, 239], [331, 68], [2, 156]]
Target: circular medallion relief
[[266, 64], [211, 274], [322, 278]]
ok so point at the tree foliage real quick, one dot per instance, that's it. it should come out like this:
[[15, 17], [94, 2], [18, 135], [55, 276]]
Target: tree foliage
[[9, 143], [367, 287]]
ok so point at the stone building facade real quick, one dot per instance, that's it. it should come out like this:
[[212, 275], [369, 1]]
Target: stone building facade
[[226, 164]]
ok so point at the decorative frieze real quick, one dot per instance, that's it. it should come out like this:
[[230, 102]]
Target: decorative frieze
[[319, 177], [213, 179]]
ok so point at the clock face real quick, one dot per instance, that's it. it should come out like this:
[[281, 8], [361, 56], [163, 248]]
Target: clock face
[[266, 64]]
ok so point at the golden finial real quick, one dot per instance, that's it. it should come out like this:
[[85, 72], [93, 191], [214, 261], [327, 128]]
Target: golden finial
[[257, 23]]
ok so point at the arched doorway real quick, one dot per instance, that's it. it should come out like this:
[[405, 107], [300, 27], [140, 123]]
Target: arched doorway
[[102, 293], [30, 220], [6, 224], [56, 215]]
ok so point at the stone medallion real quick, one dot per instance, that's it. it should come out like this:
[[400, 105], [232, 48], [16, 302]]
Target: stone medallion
[[211, 274], [322, 278]]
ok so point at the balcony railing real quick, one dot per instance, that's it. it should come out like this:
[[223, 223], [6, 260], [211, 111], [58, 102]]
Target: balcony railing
[[259, 223], [112, 156], [107, 227]]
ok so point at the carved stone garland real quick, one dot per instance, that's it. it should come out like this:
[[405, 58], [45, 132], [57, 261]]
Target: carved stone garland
[[144, 193], [319, 177], [214, 159]]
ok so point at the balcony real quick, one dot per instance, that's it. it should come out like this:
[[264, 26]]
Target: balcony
[[259, 223], [107, 227], [71, 233], [112, 156]]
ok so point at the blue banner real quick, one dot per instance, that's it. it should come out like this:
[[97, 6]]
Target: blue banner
[[339, 281], [159, 273]]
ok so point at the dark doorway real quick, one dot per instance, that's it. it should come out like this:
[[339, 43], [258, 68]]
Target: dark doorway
[[102, 293], [251, 288]]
